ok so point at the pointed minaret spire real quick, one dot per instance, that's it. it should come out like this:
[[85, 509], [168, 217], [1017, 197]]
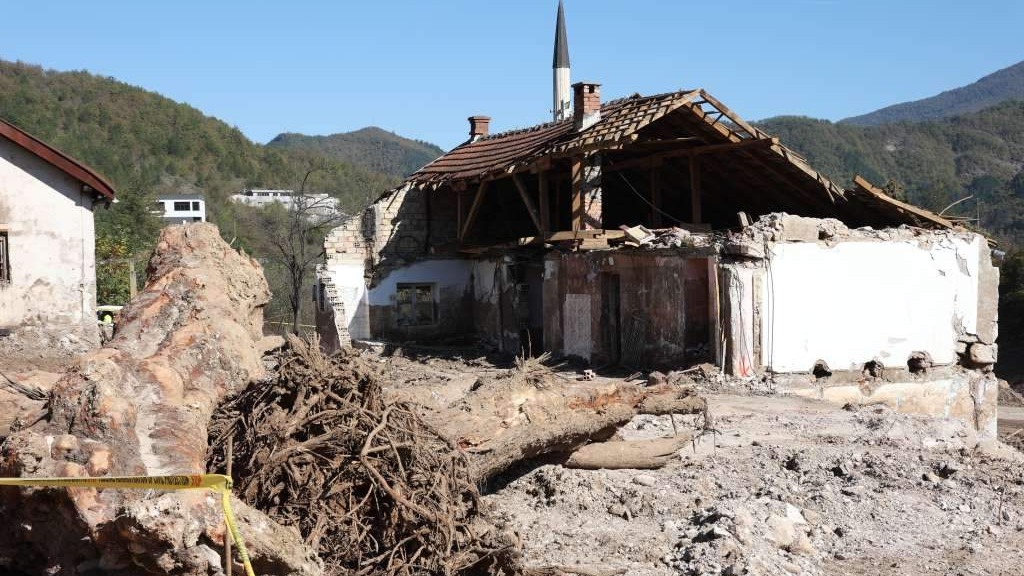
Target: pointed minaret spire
[[560, 64]]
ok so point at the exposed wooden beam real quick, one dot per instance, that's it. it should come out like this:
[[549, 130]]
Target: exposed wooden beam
[[474, 209], [695, 206], [530, 207], [578, 208], [543, 191], [693, 151]]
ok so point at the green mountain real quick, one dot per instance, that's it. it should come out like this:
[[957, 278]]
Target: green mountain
[[998, 87], [934, 163], [146, 143], [373, 148]]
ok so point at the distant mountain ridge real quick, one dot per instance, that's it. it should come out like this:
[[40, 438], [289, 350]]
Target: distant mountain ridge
[[1001, 86], [373, 148]]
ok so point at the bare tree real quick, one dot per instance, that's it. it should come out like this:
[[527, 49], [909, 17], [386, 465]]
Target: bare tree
[[295, 238]]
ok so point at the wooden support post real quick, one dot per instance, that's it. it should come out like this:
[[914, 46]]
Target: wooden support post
[[543, 192], [530, 207], [578, 207], [133, 288], [473, 210], [656, 196], [556, 208], [695, 207], [458, 207]]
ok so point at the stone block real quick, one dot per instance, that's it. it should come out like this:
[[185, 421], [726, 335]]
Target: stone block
[[984, 354], [798, 229]]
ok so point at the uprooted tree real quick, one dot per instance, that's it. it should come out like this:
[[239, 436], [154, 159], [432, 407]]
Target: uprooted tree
[[380, 485]]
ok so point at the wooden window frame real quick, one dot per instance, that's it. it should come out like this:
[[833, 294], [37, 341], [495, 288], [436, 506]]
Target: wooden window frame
[[415, 305], [5, 257]]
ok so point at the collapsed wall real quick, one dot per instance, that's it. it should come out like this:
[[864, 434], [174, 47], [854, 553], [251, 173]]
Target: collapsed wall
[[904, 316], [140, 406]]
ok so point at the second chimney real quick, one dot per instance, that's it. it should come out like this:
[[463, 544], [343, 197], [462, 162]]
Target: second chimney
[[586, 104], [478, 127]]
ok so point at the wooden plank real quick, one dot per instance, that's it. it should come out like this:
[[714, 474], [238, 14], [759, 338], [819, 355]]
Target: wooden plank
[[578, 208], [474, 209], [878, 194], [530, 207], [695, 207]]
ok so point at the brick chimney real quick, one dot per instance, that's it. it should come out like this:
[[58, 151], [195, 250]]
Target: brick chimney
[[478, 127], [586, 104]]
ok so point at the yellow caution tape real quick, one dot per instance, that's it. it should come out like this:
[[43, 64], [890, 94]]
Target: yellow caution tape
[[216, 482]]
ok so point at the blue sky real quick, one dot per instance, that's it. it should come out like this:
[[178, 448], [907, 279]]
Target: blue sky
[[420, 68]]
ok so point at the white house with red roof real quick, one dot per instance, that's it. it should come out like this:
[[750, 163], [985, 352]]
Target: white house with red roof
[[47, 236]]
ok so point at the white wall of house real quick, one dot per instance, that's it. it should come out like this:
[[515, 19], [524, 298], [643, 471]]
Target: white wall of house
[[180, 208], [859, 301], [49, 223]]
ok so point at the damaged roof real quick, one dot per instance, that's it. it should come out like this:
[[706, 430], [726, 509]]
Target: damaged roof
[[687, 118], [59, 160]]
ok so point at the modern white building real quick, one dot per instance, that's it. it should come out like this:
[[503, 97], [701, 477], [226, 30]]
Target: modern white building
[[316, 206], [180, 208], [47, 239]]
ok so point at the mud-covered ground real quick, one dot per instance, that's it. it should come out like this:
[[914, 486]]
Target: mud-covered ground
[[784, 486]]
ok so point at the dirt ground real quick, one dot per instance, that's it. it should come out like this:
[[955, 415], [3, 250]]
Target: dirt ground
[[785, 486]]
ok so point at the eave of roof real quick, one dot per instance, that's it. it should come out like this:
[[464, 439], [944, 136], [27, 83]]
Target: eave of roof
[[77, 170]]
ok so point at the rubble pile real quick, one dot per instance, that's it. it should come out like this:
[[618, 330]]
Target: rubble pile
[[371, 486], [140, 406]]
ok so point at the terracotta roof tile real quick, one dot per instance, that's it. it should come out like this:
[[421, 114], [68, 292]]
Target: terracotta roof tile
[[505, 151]]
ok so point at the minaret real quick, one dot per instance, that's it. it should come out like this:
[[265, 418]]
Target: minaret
[[563, 105]]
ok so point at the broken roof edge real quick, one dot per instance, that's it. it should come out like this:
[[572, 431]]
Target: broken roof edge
[[58, 159], [862, 184]]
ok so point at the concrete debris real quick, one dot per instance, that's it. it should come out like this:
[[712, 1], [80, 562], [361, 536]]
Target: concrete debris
[[637, 235], [140, 406], [983, 354]]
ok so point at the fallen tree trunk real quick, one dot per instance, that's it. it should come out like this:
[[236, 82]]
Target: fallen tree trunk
[[530, 414], [140, 406], [633, 454]]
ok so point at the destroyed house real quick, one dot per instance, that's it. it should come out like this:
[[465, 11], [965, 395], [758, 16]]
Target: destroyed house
[[47, 237], [661, 231]]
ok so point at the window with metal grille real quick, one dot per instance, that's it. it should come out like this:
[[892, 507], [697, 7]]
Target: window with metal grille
[[5, 262], [415, 305]]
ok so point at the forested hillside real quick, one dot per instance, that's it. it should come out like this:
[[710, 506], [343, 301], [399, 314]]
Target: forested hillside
[[996, 88], [145, 144], [373, 148], [934, 163]]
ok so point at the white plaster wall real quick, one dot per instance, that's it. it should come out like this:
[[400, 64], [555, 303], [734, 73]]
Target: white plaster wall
[[487, 282], [451, 276], [576, 331], [448, 275], [857, 301], [49, 222], [348, 278]]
